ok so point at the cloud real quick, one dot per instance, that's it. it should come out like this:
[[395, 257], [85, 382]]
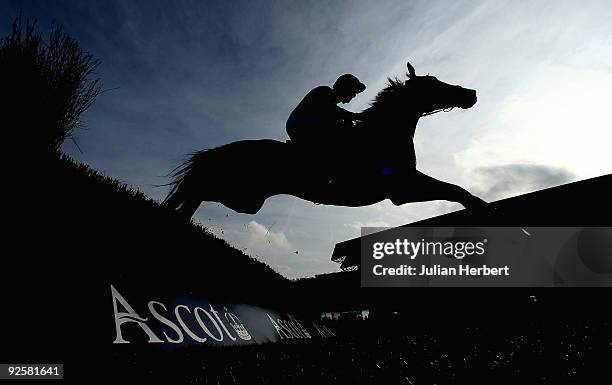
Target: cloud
[[284, 269], [256, 239], [266, 245], [259, 235], [499, 182], [559, 119]]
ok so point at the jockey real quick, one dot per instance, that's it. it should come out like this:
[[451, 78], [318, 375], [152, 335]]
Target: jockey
[[318, 123]]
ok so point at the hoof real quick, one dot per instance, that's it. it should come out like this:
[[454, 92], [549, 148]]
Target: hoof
[[475, 203]]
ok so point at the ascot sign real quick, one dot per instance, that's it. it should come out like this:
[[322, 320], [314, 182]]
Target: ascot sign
[[204, 324]]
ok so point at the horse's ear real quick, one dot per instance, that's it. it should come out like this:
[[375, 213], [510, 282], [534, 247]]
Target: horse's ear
[[411, 72]]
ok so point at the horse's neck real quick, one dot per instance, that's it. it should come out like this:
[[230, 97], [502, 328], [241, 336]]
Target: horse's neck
[[411, 124], [391, 125]]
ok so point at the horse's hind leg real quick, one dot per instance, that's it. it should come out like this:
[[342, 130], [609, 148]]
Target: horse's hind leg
[[244, 205], [421, 188]]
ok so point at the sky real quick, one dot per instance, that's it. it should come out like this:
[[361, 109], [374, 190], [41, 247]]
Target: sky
[[188, 75]]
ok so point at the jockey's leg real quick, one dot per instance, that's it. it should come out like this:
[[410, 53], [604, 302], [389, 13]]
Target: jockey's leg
[[418, 187]]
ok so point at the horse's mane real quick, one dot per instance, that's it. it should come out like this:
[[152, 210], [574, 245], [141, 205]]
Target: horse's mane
[[393, 86]]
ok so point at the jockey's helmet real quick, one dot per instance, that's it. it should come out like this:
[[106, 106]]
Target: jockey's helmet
[[349, 83]]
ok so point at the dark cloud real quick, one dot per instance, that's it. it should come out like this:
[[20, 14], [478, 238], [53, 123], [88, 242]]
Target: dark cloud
[[504, 181]]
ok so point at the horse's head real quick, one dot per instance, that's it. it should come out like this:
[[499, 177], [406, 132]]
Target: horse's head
[[396, 109], [430, 95]]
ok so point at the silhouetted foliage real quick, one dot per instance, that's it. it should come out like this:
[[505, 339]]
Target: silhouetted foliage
[[46, 86], [140, 237]]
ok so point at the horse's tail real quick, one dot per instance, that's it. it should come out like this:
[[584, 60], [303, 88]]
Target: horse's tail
[[183, 195], [224, 177]]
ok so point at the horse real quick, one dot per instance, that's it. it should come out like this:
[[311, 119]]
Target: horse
[[242, 175]]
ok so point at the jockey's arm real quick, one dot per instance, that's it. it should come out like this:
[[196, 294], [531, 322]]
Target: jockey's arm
[[346, 115]]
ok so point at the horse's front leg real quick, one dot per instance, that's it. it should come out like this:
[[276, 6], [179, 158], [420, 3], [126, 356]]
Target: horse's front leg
[[419, 187]]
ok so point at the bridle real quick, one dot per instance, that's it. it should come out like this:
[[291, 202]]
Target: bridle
[[412, 74], [436, 111]]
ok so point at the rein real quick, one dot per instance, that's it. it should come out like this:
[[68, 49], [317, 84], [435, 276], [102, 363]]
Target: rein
[[436, 111]]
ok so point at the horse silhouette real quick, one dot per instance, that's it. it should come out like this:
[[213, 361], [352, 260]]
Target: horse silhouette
[[375, 163]]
